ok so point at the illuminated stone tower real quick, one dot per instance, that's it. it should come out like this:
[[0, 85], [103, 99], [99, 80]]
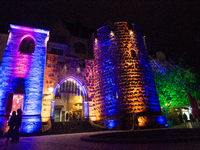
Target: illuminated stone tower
[[123, 77], [22, 74]]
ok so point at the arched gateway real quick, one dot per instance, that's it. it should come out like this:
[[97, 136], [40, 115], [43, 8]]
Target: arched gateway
[[69, 97]]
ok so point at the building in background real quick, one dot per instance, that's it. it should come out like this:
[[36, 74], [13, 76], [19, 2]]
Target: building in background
[[51, 74]]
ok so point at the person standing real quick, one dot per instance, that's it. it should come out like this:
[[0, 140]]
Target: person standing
[[17, 126], [67, 116], [185, 118], [123, 122], [78, 116], [135, 121], [70, 116], [11, 123], [192, 120], [74, 116]]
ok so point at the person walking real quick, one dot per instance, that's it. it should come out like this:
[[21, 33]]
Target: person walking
[[185, 118], [67, 116], [11, 123], [17, 126], [135, 121], [78, 116], [74, 116], [123, 122], [192, 120], [70, 116]]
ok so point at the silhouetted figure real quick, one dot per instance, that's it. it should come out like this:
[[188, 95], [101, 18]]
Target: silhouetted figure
[[17, 126], [123, 122], [78, 116], [185, 118], [11, 123], [67, 116], [192, 118], [74, 116], [70, 116], [180, 118], [135, 121]]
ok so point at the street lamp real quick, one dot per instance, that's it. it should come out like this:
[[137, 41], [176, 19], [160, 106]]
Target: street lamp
[[50, 90]]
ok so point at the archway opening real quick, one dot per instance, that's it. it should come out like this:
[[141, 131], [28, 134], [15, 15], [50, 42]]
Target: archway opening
[[69, 101]]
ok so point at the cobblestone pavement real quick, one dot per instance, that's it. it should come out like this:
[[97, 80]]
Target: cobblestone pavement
[[73, 142]]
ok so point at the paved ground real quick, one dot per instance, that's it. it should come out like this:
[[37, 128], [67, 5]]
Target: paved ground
[[74, 142]]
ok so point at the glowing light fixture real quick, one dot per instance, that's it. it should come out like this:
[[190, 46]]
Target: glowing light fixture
[[50, 90]]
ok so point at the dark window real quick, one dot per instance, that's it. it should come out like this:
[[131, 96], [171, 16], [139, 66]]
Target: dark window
[[133, 54], [54, 51], [27, 46], [80, 48], [82, 63], [60, 52]]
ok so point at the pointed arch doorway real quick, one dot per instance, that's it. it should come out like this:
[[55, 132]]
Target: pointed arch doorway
[[70, 99]]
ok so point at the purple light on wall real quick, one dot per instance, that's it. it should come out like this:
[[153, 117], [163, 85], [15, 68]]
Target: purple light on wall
[[29, 67]]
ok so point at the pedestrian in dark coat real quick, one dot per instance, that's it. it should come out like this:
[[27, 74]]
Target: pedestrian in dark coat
[[17, 126], [135, 121], [192, 118], [185, 118], [11, 123], [74, 116], [70, 116], [67, 116]]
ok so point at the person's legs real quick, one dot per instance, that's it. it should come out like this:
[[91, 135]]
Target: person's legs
[[138, 126], [17, 135], [133, 126], [8, 135]]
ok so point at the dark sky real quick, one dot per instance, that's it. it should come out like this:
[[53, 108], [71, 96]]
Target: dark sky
[[170, 26]]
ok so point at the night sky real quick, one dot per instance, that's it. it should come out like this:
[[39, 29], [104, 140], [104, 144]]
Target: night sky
[[171, 26]]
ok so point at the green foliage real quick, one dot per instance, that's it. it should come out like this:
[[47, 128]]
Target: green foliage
[[173, 117], [173, 83]]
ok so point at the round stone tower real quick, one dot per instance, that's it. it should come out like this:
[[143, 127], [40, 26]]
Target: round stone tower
[[123, 78]]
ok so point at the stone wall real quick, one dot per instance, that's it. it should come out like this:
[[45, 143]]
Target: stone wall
[[56, 72]]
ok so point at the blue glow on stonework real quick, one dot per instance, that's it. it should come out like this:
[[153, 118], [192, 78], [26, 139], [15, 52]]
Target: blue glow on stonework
[[31, 125], [109, 76], [161, 120], [30, 74], [52, 109], [86, 109], [111, 123]]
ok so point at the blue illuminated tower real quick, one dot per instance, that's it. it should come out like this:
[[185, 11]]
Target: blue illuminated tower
[[123, 77]]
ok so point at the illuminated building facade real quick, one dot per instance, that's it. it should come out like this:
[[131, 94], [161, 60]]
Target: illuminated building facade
[[54, 76]]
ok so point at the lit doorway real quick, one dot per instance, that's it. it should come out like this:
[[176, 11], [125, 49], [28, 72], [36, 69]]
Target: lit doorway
[[18, 100], [69, 99]]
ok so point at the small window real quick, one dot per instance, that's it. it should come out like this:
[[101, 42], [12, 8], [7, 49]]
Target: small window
[[53, 50], [56, 51], [27, 46], [60, 52], [133, 54]]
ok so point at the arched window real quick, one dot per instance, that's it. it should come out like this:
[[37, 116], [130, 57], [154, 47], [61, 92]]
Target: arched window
[[27, 46], [80, 48], [133, 54]]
